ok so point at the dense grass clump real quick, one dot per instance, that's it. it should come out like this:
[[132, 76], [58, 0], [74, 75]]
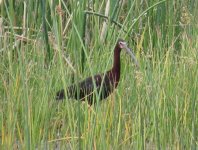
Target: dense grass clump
[[46, 45]]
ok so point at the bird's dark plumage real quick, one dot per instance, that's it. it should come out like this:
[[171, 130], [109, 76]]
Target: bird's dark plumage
[[86, 87]]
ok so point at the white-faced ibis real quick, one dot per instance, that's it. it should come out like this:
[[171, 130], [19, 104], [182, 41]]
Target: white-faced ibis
[[106, 82]]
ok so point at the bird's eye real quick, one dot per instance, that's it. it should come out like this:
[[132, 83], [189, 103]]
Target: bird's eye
[[121, 44]]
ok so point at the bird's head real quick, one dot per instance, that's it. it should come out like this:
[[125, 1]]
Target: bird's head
[[123, 45]]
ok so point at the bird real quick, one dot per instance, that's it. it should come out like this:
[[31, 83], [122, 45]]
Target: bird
[[105, 83]]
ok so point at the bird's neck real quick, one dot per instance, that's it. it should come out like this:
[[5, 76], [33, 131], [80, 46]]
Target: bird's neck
[[116, 64]]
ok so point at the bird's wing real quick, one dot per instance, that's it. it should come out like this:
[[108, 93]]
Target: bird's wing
[[86, 87], [88, 84]]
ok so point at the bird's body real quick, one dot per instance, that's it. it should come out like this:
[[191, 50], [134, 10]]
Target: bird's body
[[86, 88], [105, 83]]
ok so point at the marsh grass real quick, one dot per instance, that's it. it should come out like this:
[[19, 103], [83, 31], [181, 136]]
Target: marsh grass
[[154, 107]]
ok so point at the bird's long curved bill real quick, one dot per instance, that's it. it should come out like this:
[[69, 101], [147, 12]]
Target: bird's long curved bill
[[132, 56]]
